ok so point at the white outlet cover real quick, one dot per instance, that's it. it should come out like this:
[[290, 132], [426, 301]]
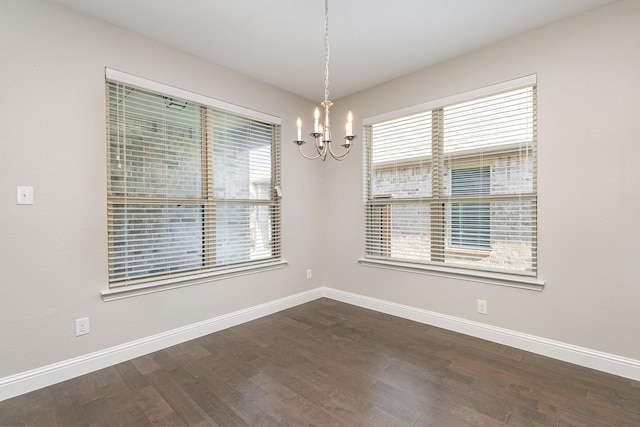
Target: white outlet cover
[[482, 306], [82, 326]]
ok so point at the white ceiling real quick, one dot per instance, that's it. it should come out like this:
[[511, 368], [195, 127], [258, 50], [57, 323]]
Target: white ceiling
[[281, 42]]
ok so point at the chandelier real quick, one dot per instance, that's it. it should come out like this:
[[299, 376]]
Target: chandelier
[[322, 133]]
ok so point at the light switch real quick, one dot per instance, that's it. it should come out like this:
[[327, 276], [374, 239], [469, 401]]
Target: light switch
[[25, 195]]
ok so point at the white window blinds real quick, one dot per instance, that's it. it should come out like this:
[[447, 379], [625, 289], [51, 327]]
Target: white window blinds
[[191, 189], [455, 184]]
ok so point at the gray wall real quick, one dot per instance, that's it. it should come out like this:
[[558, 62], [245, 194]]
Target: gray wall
[[588, 176], [52, 115]]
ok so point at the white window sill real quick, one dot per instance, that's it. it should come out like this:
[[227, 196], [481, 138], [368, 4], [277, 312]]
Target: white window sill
[[511, 280], [121, 292]]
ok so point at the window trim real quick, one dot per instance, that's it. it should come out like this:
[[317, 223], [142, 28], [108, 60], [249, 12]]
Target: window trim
[[172, 91], [113, 294], [521, 279], [145, 286], [517, 83], [531, 283]]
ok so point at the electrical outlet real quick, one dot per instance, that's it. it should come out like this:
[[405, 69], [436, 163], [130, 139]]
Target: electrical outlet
[[309, 274], [82, 326], [482, 306]]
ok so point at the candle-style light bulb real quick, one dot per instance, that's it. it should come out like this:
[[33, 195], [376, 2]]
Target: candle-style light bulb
[[349, 126], [316, 116], [299, 124]]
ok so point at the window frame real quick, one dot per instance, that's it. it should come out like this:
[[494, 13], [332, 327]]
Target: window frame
[[517, 279], [136, 286]]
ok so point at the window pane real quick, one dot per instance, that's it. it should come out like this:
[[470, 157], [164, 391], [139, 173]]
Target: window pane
[[511, 234], [489, 123], [470, 221], [405, 139], [470, 225], [241, 158], [154, 150], [151, 239], [513, 174], [261, 226], [402, 182], [401, 157], [243, 233], [471, 181], [399, 230]]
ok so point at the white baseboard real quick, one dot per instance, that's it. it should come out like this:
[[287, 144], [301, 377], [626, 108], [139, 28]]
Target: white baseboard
[[606, 362], [48, 375]]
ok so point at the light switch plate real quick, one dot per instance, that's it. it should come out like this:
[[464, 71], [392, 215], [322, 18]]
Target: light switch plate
[[25, 195]]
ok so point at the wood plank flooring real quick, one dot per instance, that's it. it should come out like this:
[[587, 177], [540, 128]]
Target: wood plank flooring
[[326, 363]]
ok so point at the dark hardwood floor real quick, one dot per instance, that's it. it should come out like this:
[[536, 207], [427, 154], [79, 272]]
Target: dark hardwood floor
[[326, 363]]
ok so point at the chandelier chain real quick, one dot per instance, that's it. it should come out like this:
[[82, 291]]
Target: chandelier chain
[[326, 50]]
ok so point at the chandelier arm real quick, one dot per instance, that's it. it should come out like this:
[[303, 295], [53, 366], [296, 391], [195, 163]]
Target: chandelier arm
[[322, 150], [341, 156], [308, 157]]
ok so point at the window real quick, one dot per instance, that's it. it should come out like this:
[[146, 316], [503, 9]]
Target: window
[[452, 184], [192, 189]]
